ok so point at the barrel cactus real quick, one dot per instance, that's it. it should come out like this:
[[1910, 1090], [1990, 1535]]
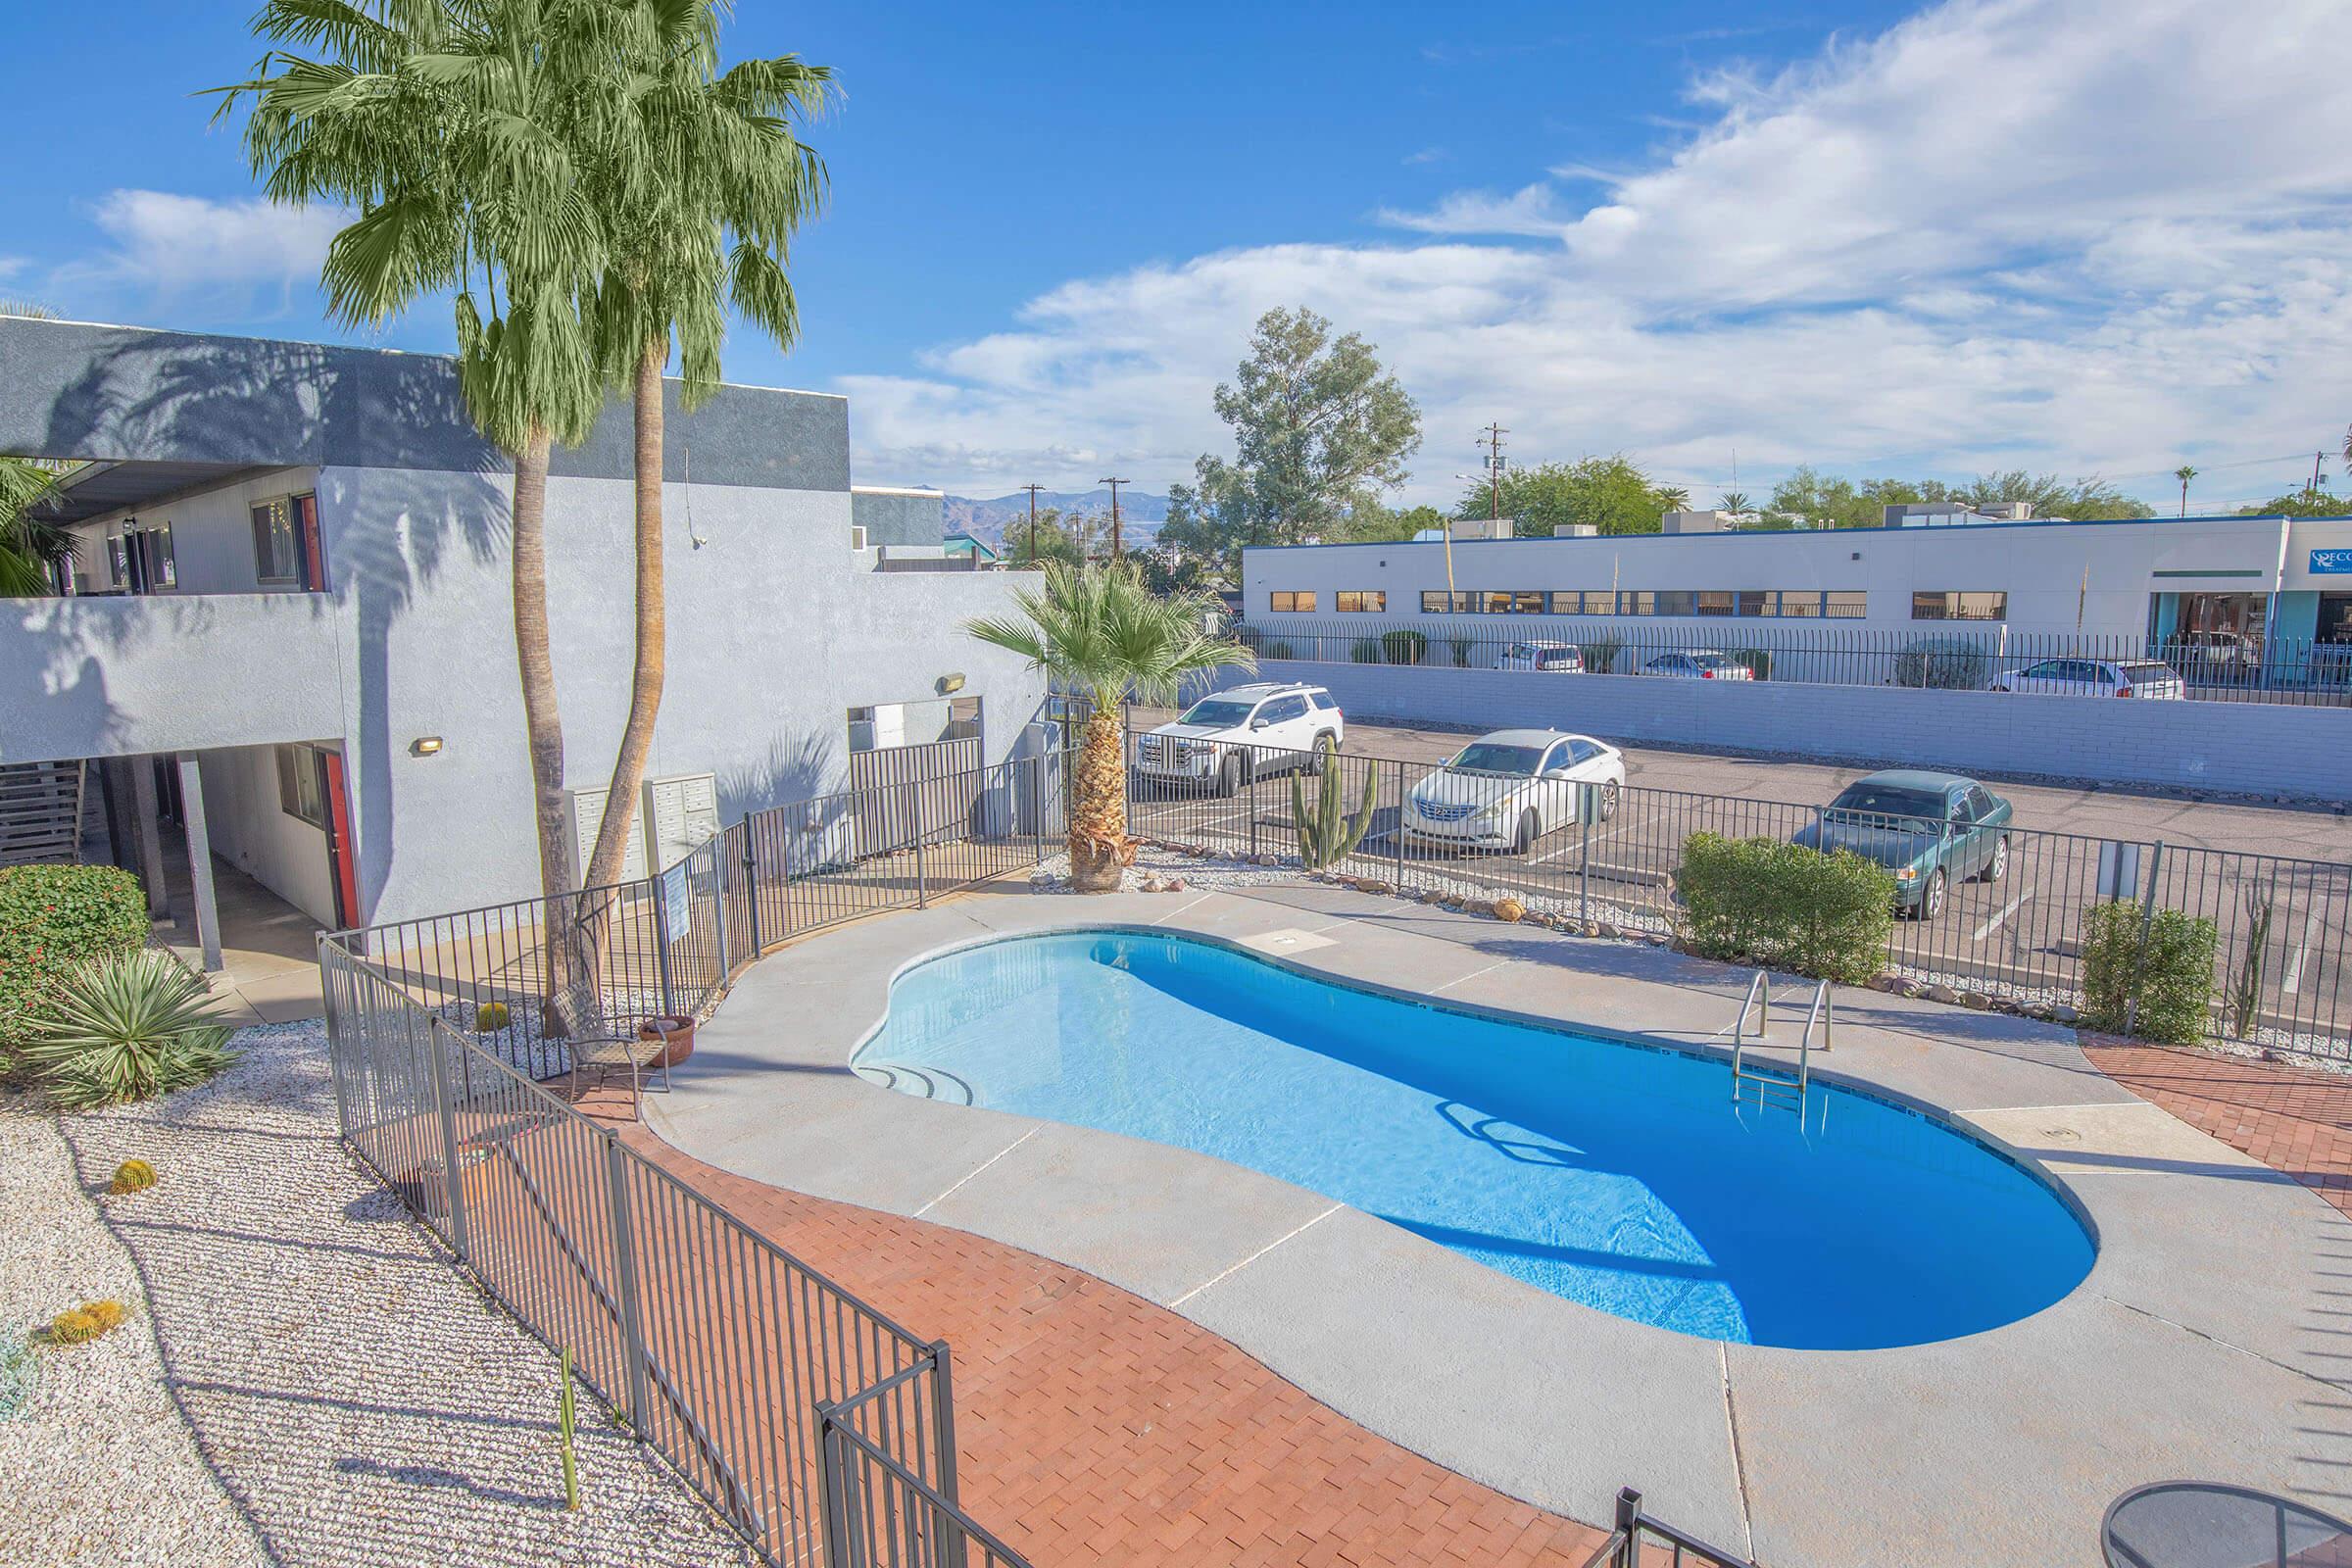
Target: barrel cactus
[[81, 1324], [490, 1017], [131, 1176], [1327, 834]]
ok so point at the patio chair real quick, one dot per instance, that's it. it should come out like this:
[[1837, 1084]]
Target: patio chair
[[599, 1036]]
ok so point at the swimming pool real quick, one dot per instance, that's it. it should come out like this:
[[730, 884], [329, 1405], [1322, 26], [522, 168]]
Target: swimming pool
[[1617, 1175]]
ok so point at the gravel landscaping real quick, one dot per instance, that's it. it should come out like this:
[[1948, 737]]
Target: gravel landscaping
[[344, 1385]]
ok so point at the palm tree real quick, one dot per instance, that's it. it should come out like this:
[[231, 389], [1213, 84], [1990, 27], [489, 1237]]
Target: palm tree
[[452, 127], [702, 183], [28, 541], [2184, 474], [1734, 501], [1096, 631]]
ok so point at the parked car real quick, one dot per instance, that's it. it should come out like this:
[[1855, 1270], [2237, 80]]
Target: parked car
[[2226, 656], [1700, 664], [1560, 659], [1241, 733], [1508, 789], [1930, 830], [2096, 678]]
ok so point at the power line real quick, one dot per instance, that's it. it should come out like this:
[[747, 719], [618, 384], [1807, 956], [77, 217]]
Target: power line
[[1115, 513]]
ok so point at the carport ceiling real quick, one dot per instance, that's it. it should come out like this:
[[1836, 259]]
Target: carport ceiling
[[97, 488]]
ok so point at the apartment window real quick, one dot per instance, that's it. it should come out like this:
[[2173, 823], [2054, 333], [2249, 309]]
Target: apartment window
[[1292, 601], [1677, 602], [1960, 607], [298, 789], [1434, 601], [1843, 604], [1755, 601], [1362, 600], [285, 544], [1641, 603], [1806, 604], [1527, 602]]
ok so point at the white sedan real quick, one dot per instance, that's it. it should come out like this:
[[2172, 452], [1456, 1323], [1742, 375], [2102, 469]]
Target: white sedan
[[1506, 790]]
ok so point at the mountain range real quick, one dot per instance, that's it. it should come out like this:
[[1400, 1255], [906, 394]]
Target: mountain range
[[1141, 512]]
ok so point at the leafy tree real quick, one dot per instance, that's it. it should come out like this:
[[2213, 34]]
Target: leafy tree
[[2309, 502], [1611, 493], [1069, 537], [1319, 428], [1821, 501], [2091, 500], [1097, 630]]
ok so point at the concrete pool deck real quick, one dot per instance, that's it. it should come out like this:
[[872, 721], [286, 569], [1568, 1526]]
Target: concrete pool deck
[[2205, 1341]]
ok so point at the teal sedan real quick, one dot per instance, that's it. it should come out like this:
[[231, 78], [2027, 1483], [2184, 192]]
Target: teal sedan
[[1928, 829]]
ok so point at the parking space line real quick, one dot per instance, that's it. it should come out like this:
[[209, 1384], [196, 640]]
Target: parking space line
[[2000, 919], [2292, 980]]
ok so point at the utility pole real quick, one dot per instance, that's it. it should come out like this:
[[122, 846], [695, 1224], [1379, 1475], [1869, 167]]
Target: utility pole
[[1115, 513], [1033, 489], [1490, 438], [2317, 457]]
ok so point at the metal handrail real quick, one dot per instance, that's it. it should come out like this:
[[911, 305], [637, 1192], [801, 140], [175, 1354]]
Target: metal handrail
[[1759, 997], [1819, 1010]]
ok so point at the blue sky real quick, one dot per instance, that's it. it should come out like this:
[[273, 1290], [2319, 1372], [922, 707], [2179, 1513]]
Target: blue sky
[[1871, 237]]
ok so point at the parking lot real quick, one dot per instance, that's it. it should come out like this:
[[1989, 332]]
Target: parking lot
[[2272, 879]]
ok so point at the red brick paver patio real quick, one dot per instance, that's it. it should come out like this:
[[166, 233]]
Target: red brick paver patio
[[1094, 1426], [2293, 1119]]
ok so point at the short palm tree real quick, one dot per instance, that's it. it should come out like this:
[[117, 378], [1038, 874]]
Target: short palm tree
[[1098, 633], [700, 181]]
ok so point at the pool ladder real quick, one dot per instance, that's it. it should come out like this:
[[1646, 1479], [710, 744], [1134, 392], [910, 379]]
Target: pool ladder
[[1773, 1084]]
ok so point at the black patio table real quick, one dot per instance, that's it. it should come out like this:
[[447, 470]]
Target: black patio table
[[2205, 1524]]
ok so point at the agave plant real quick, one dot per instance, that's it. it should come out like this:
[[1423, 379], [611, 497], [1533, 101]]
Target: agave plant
[[126, 1028]]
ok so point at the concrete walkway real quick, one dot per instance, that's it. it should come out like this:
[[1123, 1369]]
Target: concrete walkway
[[2203, 1343]]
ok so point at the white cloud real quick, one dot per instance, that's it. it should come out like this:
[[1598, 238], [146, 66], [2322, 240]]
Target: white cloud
[[2075, 234], [189, 256]]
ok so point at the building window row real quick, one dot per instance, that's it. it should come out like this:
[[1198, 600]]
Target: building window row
[[1286, 600], [1362, 600], [1809, 603], [1960, 607]]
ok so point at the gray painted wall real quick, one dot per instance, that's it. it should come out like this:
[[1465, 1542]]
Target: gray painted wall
[[893, 516], [75, 390], [2254, 748]]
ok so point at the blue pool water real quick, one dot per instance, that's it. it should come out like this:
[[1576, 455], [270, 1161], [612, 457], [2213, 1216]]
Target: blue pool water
[[1618, 1176]]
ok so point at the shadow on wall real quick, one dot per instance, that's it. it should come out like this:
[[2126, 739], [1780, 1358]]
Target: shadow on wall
[[73, 677], [790, 771]]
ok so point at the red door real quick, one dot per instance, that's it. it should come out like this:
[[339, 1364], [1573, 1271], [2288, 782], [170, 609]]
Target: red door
[[340, 864]]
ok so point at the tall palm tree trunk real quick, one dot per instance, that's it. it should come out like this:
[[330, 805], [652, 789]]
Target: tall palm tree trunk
[[1099, 846], [542, 724], [644, 688]]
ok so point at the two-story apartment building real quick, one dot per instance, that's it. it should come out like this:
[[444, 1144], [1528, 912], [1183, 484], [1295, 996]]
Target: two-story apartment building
[[290, 631]]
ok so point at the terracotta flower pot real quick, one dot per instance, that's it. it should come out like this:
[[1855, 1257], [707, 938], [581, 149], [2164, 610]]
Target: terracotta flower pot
[[672, 1033]]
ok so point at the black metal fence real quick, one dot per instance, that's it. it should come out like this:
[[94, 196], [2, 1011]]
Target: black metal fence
[[2008, 903], [1950, 655], [811, 1422], [1630, 1544]]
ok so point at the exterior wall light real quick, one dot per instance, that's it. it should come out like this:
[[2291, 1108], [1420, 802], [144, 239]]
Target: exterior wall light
[[948, 685], [424, 745]]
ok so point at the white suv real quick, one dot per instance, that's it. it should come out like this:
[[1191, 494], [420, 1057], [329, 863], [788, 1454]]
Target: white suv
[[1230, 737], [1562, 659]]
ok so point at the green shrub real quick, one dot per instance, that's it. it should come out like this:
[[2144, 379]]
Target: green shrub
[[54, 918], [1600, 655], [1784, 907], [1941, 663], [128, 1027], [2168, 973], [1275, 648], [1757, 660], [1403, 646]]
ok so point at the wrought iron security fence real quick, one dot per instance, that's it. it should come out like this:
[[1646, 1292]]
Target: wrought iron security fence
[[2005, 906], [1941, 654], [1636, 1533], [814, 1424]]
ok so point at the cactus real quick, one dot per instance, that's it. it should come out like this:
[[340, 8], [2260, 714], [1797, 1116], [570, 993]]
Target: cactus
[[81, 1324], [490, 1017], [1327, 834], [2246, 983], [131, 1176], [565, 1423]]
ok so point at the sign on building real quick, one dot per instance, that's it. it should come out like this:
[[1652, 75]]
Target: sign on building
[[2332, 562]]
